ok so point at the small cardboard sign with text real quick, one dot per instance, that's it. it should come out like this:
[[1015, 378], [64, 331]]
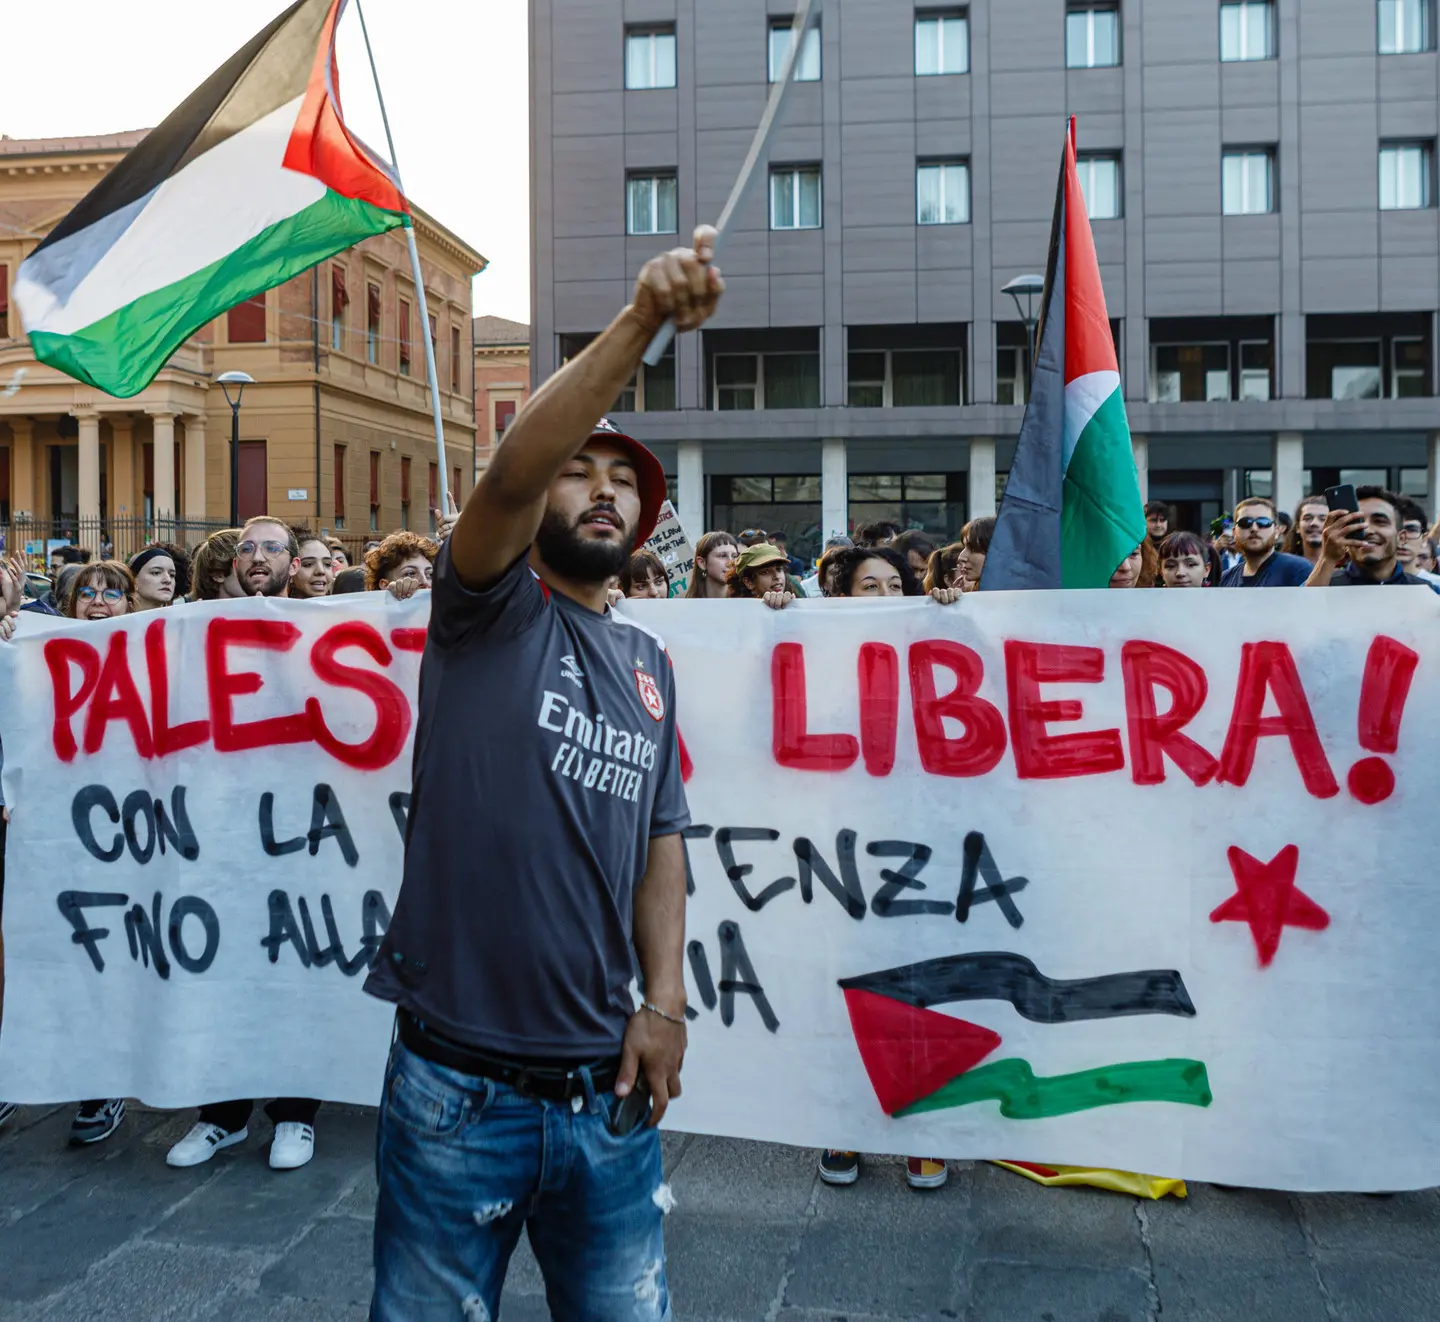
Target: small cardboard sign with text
[[674, 548]]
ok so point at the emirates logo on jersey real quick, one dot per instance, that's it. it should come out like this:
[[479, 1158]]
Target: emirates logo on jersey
[[650, 694]]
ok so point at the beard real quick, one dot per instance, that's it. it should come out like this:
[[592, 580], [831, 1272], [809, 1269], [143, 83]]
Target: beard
[[574, 557], [274, 586]]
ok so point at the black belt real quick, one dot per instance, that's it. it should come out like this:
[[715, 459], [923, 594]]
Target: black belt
[[553, 1083]]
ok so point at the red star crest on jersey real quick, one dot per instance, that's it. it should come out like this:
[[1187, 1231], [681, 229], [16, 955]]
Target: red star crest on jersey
[[650, 694]]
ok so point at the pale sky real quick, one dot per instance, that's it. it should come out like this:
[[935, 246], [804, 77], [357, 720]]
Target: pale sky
[[455, 75]]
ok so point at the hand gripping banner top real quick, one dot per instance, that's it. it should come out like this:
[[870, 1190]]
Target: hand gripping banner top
[[1125, 879]]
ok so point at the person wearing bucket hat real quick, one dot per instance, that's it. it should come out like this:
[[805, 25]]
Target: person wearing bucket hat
[[546, 758], [760, 571]]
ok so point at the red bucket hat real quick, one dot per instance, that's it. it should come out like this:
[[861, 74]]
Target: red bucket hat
[[649, 475]]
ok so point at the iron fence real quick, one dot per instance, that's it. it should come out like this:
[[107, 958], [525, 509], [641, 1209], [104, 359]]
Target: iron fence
[[117, 538]]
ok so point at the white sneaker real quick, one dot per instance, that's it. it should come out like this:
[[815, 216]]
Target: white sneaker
[[203, 1142], [292, 1147]]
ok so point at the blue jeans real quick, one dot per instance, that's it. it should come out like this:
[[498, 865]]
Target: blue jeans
[[464, 1162]]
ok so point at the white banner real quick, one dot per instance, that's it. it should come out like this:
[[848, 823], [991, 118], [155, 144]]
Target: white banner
[[1131, 879]]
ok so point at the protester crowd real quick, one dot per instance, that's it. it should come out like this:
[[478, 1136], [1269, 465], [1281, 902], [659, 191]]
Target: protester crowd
[[1387, 542]]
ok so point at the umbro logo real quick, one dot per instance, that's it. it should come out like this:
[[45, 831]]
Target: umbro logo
[[570, 669]]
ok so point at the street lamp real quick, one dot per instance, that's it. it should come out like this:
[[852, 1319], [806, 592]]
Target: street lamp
[[1032, 287], [239, 380]]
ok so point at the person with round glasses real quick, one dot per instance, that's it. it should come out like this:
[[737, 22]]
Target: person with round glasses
[[102, 591], [1262, 564]]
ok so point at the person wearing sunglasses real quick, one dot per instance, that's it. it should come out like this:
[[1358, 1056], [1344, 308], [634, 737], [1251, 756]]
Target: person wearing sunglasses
[[266, 557], [1257, 537]]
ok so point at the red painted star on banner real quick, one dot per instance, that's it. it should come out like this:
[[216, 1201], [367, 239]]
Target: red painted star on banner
[[1266, 898]]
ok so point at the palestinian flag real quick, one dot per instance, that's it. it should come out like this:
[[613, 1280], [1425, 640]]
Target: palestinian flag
[[254, 179], [1072, 510], [920, 1060]]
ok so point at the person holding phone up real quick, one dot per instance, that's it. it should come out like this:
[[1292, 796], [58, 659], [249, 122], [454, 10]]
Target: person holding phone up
[[1361, 545]]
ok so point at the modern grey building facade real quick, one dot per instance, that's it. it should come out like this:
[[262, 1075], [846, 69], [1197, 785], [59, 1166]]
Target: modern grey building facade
[[1261, 179]]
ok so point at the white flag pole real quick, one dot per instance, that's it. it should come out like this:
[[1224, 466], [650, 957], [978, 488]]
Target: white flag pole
[[786, 75], [446, 497]]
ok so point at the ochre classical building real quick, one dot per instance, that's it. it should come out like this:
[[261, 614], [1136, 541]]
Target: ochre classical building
[[336, 433], [502, 380]]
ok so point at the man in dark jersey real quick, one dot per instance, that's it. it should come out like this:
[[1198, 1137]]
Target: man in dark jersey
[[544, 870]]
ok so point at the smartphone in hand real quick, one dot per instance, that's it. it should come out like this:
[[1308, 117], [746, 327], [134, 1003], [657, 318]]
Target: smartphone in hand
[[634, 1109], [1342, 497]]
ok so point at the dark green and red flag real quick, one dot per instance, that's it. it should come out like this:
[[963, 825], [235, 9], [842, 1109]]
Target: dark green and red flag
[[1072, 509], [253, 179]]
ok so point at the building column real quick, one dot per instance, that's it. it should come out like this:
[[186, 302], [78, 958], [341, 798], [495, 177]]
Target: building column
[[87, 496], [834, 490], [122, 478], [1432, 490], [195, 468], [1287, 468], [690, 498], [164, 494], [22, 467], [1140, 448], [982, 477]]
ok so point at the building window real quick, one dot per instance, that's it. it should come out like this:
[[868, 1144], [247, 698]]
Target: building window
[[904, 378], [504, 416], [404, 328], [1406, 26], [650, 58], [339, 493], [1247, 181], [374, 490], [1257, 369], [1405, 176], [780, 380], [339, 301], [1012, 363], [457, 492], [807, 63], [1189, 373], [942, 43], [245, 322], [4, 302], [942, 193], [1247, 30], [1100, 182], [405, 491], [1092, 36], [1368, 356], [651, 389], [372, 323], [934, 503], [434, 489], [434, 334], [650, 204], [454, 360], [795, 197]]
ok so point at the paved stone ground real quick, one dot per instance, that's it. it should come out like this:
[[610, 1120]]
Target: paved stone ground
[[112, 1233]]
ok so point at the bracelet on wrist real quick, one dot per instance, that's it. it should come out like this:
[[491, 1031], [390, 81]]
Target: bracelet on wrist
[[665, 1015]]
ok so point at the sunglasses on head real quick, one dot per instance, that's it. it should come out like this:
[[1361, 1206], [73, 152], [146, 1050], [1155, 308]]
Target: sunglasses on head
[[111, 595], [1255, 523]]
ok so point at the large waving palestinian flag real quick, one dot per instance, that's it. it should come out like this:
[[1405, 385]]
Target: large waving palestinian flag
[[1072, 510], [254, 179], [921, 1060]]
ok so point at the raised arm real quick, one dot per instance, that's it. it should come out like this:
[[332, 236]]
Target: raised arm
[[503, 513]]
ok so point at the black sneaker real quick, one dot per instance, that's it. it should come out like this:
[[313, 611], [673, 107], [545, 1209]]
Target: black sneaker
[[7, 1109], [838, 1167], [95, 1121]]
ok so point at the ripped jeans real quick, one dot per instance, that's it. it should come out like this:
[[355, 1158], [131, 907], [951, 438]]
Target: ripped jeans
[[464, 1162]]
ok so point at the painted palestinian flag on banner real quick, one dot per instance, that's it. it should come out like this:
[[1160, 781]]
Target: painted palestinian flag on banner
[[254, 179], [1072, 509], [921, 1060]]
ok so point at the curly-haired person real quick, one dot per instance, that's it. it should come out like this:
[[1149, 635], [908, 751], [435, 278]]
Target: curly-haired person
[[403, 563]]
